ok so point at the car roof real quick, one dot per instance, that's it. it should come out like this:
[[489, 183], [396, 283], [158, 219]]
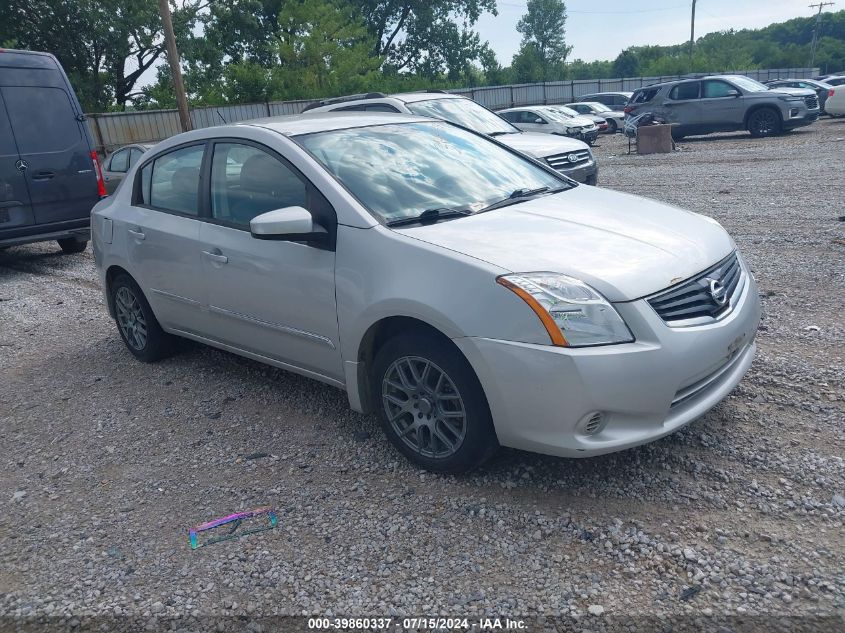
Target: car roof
[[309, 123], [411, 97], [611, 92]]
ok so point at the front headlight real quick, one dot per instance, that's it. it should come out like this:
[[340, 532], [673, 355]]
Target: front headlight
[[572, 312]]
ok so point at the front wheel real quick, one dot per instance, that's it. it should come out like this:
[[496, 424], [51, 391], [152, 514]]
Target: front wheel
[[430, 404], [764, 122], [611, 126], [71, 245]]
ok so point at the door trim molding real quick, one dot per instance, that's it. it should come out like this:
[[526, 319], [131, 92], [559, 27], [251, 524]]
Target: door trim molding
[[317, 338], [172, 297]]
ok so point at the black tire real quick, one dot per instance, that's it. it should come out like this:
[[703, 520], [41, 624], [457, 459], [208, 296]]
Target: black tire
[[477, 441], [764, 122], [612, 126], [155, 344], [71, 245]]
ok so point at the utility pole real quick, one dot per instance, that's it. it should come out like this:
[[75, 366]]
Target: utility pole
[[175, 69], [691, 34], [816, 29]]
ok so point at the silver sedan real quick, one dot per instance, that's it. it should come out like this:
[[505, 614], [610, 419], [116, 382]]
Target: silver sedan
[[468, 295]]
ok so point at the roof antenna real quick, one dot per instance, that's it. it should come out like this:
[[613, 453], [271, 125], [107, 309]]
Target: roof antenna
[[225, 122]]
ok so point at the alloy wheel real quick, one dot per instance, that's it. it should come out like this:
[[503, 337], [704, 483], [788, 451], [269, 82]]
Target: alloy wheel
[[424, 407], [764, 122], [130, 318]]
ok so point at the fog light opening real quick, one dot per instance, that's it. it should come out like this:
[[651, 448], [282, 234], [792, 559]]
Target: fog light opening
[[593, 423]]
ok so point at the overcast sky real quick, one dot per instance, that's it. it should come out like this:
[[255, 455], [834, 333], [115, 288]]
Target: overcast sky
[[601, 29]]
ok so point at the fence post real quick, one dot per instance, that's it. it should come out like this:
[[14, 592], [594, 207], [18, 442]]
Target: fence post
[[267, 105], [511, 105], [544, 93]]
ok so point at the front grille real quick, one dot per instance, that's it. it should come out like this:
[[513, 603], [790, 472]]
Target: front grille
[[812, 102], [696, 300], [568, 160]]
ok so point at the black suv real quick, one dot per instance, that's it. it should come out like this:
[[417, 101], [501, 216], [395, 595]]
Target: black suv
[[725, 103], [49, 172]]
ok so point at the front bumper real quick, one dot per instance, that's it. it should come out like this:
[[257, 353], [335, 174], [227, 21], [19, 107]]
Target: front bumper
[[588, 172], [801, 118], [542, 397]]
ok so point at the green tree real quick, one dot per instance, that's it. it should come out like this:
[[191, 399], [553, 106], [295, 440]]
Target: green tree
[[324, 48], [626, 64], [104, 45], [543, 29]]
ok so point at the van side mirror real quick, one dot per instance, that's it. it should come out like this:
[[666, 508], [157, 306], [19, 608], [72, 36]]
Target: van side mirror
[[290, 224]]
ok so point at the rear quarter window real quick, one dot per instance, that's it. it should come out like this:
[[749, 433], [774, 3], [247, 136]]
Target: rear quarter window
[[645, 95]]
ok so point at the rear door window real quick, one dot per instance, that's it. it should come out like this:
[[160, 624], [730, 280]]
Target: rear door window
[[685, 91], [43, 119], [171, 181], [380, 107]]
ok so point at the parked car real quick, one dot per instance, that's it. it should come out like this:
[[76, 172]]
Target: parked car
[[119, 162], [836, 101], [725, 103], [819, 87], [49, 172], [568, 156], [548, 120], [600, 121], [396, 257], [615, 118], [836, 80], [615, 100]]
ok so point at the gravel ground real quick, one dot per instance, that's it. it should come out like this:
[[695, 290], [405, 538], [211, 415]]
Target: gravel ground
[[108, 461]]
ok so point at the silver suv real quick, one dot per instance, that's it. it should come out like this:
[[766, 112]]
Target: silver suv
[[725, 103]]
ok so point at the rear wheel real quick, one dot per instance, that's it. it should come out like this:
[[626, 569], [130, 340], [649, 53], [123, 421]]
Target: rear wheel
[[430, 404], [136, 322], [611, 126], [764, 122], [72, 245]]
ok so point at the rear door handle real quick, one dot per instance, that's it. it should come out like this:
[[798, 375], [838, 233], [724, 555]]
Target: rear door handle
[[43, 175], [216, 257], [138, 234]]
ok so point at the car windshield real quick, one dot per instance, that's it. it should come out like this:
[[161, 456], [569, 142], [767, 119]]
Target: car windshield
[[398, 171], [600, 107], [464, 112], [749, 84], [555, 113], [566, 112]]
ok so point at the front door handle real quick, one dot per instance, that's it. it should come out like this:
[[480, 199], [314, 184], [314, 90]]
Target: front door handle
[[138, 234], [217, 256]]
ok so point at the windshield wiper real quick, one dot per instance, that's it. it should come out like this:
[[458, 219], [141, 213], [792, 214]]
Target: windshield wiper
[[519, 196], [430, 216]]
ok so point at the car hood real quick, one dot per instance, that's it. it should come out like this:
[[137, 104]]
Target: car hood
[[625, 246], [541, 145], [800, 92], [583, 120]]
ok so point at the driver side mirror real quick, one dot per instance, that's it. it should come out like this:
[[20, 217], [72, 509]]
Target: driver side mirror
[[732, 93], [290, 224], [539, 120]]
